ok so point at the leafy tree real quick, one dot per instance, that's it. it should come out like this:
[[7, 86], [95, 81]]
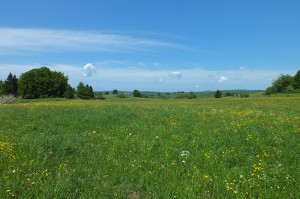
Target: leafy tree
[[136, 93], [11, 85], [296, 82], [218, 94], [42, 82], [85, 91], [282, 83], [115, 91], [69, 93]]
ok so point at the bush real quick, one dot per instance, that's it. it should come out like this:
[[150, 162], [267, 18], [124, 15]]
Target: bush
[[121, 95], [7, 99], [136, 93], [99, 96], [218, 94], [183, 95], [191, 95]]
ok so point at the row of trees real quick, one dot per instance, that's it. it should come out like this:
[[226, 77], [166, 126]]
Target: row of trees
[[43, 83], [285, 84]]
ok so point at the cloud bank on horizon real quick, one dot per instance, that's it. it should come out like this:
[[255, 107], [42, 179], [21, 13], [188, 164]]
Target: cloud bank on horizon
[[109, 77]]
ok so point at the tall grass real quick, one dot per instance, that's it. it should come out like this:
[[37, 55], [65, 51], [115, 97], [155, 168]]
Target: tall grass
[[143, 148]]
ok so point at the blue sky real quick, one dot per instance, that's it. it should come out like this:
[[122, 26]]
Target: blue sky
[[192, 45]]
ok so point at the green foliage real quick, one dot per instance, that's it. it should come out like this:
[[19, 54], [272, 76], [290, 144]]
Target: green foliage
[[296, 82], [245, 95], [192, 95], [1, 88], [228, 94], [42, 83], [85, 91], [183, 95], [115, 91], [70, 92], [99, 96], [10, 86], [218, 94], [136, 93], [121, 95], [284, 84]]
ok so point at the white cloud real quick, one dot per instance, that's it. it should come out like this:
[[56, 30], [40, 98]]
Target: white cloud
[[21, 40], [175, 75], [223, 79], [88, 70], [242, 68], [122, 77]]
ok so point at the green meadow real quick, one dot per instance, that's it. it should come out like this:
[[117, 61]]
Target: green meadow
[[151, 148]]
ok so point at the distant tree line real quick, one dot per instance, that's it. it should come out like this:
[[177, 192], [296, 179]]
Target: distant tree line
[[43, 83], [285, 84]]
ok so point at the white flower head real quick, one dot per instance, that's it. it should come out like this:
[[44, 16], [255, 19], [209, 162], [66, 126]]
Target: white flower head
[[184, 153]]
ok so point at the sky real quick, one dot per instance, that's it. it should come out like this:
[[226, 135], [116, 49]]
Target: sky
[[192, 45]]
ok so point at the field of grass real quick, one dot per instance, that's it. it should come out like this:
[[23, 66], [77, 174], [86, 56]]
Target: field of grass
[[147, 148]]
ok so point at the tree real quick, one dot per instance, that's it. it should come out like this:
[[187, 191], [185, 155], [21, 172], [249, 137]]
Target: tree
[[282, 83], [218, 94], [115, 91], [1, 88], [11, 85], [136, 93], [91, 91], [85, 91], [69, 93], [42, 82], [296, 81]]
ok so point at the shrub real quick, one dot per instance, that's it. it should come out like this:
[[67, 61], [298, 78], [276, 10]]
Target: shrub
[[99, 96], [191, 95], [136, 93], [121, 95]]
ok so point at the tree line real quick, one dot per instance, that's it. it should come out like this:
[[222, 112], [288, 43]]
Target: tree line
[[43, 83], [285, 84]]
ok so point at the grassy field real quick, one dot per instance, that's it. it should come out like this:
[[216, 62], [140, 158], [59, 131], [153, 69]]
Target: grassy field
[[147, 148]]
